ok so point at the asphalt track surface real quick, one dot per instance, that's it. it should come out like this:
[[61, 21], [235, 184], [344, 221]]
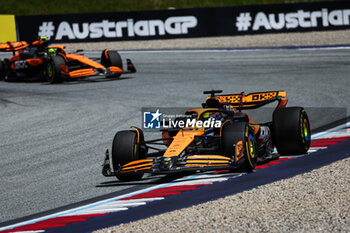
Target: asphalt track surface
[[53, 137]]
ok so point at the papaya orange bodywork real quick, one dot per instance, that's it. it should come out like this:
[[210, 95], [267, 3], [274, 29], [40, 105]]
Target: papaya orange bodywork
[[208, 157], [255, 128], [283, 103], [14, 58], [138, 161], [58, 47], [64, 70], [82, 73], [239, 150], [35, 61], [115, 69], [106, 53], [250, 100], [137, 132], [142, 164], [202, 165], [206, 163], [84, 60], [136, 169], [38, 42], [13, 46], [182, 139], [206, 160]]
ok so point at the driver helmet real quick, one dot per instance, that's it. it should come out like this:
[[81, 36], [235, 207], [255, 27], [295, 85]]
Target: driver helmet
[[51, 51], [217, 116]]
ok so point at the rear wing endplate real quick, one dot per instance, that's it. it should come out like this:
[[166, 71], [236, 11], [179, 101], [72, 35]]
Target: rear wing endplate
[[249, 101]]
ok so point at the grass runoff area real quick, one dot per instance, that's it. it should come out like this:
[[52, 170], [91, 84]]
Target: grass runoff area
[[45, 7]]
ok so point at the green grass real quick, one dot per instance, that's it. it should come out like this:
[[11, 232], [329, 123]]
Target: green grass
[[36, 7]]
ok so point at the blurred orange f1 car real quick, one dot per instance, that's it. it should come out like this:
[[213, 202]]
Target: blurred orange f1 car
[[224, 138], [54, 63]]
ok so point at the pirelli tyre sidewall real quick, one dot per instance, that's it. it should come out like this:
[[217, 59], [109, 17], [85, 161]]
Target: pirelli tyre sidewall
[[124, 150], [238, 142], [291, 131], [250, 149], [53, 69]]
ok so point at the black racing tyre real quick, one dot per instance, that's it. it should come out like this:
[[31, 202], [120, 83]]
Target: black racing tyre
[[2, 70], [111, 58], [238, 138], [53, 69], [9, 75], [291, 131], [124, 150]]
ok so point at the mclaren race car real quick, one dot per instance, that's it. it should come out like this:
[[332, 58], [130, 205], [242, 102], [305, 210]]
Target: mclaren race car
[[237, 145], [38, 59]]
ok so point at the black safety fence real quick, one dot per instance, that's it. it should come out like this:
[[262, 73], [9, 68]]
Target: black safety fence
[[186, 23]]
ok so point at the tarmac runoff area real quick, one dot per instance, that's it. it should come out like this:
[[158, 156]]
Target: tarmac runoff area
[[317, 201]]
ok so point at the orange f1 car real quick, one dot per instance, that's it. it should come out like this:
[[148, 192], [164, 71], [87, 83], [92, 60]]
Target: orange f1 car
[[234, 142], [53, 62]]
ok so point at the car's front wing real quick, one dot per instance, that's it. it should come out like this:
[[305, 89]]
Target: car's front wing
[[101, 71], [171, 165]]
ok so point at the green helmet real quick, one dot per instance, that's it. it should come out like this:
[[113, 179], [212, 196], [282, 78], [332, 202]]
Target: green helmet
[[205, 115], [51, 51]]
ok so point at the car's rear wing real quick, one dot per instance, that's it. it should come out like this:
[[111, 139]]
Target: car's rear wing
[[243, 101], [13, 46]]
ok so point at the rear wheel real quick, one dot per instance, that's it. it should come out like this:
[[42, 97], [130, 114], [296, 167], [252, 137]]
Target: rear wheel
[[238, 142], [124, 150], [111, 58], [291, 131], [53, 69], [9, 75]]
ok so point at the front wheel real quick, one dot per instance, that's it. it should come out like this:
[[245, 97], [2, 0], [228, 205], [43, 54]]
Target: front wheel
[[291, 131], [238, 142], [112, 58], [124, 150], [53, 69]]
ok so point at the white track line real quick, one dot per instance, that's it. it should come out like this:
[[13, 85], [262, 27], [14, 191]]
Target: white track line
[[39, 231], [337, 131], [101, 211]]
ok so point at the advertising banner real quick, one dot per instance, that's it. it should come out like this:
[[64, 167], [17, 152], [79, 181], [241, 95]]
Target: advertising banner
[[186, 23]]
